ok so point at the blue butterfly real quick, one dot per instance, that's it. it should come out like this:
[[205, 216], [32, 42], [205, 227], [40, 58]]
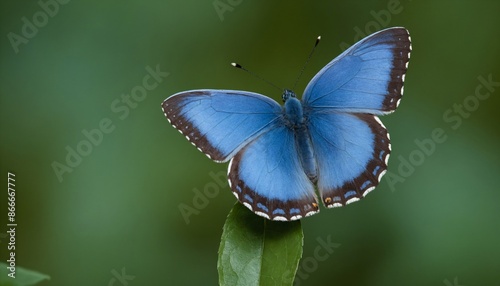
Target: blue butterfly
[[331, 139]]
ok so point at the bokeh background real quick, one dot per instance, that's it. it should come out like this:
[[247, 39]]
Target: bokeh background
[[119, 208]]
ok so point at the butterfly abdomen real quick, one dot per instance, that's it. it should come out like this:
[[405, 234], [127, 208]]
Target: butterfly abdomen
[[306, 154], [294, 118]]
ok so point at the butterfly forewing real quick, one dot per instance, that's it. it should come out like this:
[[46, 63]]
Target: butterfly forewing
[[220, 122], [367, 78]]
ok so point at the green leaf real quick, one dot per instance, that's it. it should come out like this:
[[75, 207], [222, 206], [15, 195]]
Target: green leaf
[[23, 277], [257, 251]]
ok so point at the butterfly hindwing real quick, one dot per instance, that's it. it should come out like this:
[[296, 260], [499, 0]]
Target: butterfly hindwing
[[267, 177], [366, 78], [220, 122], [351, 156]]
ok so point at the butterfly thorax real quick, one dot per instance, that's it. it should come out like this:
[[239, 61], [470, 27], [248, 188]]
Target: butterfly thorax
[[295, 120], [293, 112]]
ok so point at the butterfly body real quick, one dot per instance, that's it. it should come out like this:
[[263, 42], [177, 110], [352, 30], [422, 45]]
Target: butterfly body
[[295, 120], [331, 140]]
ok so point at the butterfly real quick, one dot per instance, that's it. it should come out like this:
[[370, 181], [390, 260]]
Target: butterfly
[[330, 140]]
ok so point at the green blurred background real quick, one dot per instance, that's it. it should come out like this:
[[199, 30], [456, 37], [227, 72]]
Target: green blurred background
[[119, 207]]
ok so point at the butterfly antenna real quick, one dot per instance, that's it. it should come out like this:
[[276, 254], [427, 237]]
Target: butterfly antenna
[[307, 61], [238, 66]]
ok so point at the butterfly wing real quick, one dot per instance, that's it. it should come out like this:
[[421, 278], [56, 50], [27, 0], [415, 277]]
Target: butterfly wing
[[267, 177], [220, 122], [342, 102], [352, 151], [368, 77]]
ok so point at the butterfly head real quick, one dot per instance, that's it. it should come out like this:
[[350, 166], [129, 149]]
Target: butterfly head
[[287, 94]]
